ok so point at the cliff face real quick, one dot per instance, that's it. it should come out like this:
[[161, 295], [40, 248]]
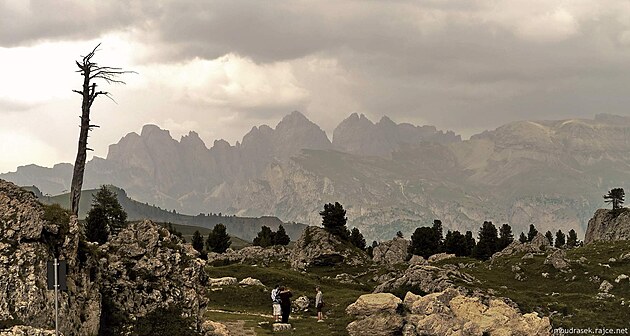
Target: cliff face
[[608, 225]]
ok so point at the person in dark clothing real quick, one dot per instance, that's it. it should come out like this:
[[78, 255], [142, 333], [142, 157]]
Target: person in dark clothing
[[285, 303]]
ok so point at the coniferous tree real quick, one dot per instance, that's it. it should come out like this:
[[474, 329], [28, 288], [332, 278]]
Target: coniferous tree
[[522, 238], [532, 232], [265, 237], [439, 237], [374, 243], [197, 241], [106, 216], [549, 237], [560, 239], [96, 226], [616, 197], [218, 240], [488, 241], [399, 234], [455, 243], [505, 236], [470, 243], [334, 220], [572, 240], [356, 238], [281, 237], [424, 242]]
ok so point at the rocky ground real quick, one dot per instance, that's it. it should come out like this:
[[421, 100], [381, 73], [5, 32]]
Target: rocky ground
[[145, 281]]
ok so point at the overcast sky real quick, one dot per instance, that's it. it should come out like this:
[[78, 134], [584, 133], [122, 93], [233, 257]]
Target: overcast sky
[[221, 67]]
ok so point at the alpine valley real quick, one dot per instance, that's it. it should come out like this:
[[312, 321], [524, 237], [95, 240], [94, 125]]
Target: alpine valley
[[388, 176]]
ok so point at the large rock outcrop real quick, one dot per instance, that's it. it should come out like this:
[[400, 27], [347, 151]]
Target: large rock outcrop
[[608, 225], [30, 236], [446, 313], [538, 244], [140, 274], [317, 247], [391, 252], [145, 268]]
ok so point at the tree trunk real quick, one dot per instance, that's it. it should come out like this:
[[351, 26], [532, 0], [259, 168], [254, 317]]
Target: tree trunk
[[79, 163]]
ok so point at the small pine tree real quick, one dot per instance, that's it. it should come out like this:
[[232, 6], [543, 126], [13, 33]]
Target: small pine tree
[[374, 243], [96, 226], [356, 238], [522, 238], [281, 237], [532, 232], [105, 216], [549, 237], [218, 240], [487, 242], [399, 234], [505, 236], [560, 239], [572, 241], [265, 237], [197, 241], [334, 220], [616, 197]]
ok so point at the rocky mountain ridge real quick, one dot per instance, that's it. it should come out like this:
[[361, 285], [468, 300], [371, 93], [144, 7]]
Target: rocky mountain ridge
[[389, 176]]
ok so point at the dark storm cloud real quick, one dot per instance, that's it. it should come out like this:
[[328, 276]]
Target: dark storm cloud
[[453, 63]]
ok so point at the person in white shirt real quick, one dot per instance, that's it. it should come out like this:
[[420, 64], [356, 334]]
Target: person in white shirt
[[275, 303], [319, 304]]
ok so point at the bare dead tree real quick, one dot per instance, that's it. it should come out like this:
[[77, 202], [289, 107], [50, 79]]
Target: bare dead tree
[[91, 72]]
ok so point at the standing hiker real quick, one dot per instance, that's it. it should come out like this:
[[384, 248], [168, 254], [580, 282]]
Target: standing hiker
[[275, 303], [319, 304], [285, 303]]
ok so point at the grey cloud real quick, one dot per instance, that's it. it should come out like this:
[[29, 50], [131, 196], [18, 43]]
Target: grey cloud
[[455, 64], [27, 22]]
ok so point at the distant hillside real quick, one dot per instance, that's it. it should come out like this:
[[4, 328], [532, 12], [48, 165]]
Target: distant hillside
[[244, 227]]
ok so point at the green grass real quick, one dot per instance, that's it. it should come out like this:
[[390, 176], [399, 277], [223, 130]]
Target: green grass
[[569, 301], [255, 301]]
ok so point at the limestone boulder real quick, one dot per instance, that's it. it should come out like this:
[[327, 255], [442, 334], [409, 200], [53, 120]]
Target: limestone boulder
[[371, 304], [249, 281], [538, 244], [301, 303], [440, 257], [376, 325], [558, 260], [391, 252], [317, 247]]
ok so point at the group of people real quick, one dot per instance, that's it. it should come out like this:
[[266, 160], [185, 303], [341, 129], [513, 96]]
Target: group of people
[[281, 303]]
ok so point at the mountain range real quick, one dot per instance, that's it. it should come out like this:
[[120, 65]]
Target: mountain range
[[388, 176]]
